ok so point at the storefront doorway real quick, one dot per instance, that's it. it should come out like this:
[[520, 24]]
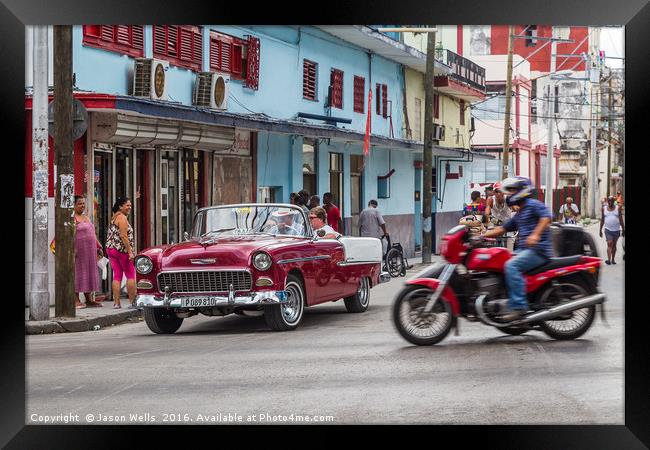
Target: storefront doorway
[[336, 185], [169, 197], [356, 191]]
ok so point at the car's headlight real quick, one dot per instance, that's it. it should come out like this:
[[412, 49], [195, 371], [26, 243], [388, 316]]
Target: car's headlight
[[143, 265], [262, 261]]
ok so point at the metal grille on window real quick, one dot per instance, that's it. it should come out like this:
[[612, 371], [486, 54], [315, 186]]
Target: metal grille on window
[[359, 87], [309, 80], [336, 82]]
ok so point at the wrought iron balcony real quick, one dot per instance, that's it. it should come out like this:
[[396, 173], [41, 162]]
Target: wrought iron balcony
[[463, 69]]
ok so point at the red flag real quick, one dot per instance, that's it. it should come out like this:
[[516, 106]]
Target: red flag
[[366, 140]]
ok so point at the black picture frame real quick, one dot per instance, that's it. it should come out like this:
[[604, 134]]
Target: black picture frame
[[635, 14]]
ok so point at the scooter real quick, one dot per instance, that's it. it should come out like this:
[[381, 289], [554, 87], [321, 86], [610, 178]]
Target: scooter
[[562, 294]]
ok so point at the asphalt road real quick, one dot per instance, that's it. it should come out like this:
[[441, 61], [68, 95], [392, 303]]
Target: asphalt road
[[354, 368]]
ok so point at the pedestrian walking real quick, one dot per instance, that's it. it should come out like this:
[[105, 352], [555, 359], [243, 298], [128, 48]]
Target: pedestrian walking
[[314, 201], [87, 251], [569, 212], [121, 251], [333, 213], [612, 219], [372, 224]]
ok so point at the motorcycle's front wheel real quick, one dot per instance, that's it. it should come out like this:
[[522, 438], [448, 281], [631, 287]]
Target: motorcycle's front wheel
[[413, 323], [575, 323]]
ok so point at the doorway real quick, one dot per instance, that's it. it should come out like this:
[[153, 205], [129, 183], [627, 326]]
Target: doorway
[[336, 185], [169, 197], [356, 191], [418, 208]]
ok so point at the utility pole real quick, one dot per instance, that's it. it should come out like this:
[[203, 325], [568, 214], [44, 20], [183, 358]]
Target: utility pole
[[609, 135], [39, 295], [593, 176], [428, 148], [548, 198], [506, 120], [64, 197]]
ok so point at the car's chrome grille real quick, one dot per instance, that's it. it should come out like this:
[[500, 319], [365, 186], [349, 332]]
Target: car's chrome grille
[[205, 281]]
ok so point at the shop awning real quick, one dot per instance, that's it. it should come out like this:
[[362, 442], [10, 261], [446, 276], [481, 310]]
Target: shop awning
[[136, 129]]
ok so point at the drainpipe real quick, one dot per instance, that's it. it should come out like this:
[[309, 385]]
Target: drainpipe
[[39, 295]]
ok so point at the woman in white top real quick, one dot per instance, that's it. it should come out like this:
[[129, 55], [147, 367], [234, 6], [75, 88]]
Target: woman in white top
[[612, 220]]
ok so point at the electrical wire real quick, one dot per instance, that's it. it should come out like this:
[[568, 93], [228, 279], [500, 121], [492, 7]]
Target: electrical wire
[[622, 116]]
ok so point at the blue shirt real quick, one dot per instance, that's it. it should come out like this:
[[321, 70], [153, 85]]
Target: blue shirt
[[526, 220]]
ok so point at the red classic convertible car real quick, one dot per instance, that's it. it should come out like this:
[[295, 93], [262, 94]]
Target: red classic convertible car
[[253, 259]]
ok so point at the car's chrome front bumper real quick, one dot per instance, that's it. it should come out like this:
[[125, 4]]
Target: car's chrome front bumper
[[249, 299]]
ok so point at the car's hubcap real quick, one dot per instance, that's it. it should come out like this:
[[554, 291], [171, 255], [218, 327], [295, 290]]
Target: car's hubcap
[[292, 309], [363, 292]]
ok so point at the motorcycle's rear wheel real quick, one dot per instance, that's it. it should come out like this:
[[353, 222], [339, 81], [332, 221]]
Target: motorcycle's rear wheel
[[576, 323], [416, 326]]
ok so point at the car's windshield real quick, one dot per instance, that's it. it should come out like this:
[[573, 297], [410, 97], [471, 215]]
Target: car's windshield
[[249, 219]]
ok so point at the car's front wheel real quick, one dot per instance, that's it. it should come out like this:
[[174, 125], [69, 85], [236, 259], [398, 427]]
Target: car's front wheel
[[287, 316], [162, 320]]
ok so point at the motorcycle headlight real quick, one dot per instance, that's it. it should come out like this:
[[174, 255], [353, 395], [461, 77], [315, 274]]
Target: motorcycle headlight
[[262, 261], [143, 265]]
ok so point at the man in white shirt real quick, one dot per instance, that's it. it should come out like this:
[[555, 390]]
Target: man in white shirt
[[318, 217], [569, 212]]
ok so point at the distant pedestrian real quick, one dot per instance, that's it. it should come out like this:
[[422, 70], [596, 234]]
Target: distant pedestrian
[[87, 251], [121, 251], [372, 224], [302, 198], [569, 212], [612, 219], [333, 213], [619, 200], [293, 198], [314, 201]]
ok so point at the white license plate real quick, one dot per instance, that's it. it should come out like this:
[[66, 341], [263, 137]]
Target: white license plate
[[193, 302]]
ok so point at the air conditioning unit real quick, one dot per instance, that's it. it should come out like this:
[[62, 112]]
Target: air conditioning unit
[[211, 90], [150, 78], [438, 132]]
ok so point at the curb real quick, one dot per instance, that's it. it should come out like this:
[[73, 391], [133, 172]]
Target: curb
[[60, 325]]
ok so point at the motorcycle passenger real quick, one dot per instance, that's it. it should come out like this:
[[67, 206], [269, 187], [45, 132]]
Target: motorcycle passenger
[[533, 222], [498, 211]]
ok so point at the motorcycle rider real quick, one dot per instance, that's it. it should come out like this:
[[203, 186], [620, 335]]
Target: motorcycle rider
[[533, 221]]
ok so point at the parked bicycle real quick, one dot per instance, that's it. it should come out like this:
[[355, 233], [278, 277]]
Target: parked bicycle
[[395, 263]]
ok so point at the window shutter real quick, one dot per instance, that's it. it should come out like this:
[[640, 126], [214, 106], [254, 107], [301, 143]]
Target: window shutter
[[225, 55], [122, 34], [172, 40], [308, 80], [378, 98], [197, 48], [159, 40], [214, 52], [138, 36], [359, 87], [185, 44], [92, 30], [236, 60], [107, 33], [253, 63], [384, 99], [336, 81]]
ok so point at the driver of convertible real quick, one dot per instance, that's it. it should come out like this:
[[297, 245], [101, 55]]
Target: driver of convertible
[[285, 223], [533, 221]]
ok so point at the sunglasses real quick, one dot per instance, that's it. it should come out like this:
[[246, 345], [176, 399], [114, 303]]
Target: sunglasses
[[313, 217]]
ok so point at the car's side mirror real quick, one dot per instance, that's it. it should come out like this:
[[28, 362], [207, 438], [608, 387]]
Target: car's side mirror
[[186, 236]]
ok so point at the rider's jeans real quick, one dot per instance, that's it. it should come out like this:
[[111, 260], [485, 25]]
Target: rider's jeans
[[524, 260]]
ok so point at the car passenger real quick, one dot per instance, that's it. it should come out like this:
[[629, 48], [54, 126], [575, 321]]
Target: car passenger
[[285, 224], [318, 217]]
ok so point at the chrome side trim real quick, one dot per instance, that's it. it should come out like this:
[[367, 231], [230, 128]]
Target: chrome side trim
[[355, 263], [308, 258]]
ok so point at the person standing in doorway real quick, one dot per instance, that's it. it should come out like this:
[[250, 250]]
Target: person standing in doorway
[[612, 219], [372, 224], [121, 251], [333, 213], [87, 251]]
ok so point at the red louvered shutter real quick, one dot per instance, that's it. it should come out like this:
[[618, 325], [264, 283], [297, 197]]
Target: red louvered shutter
[[237, 55], [159, 41], [308, 79], [214, 52], [359, 88], [122, 34], [172, 40], [225, 55], [336, 82], [185, 44], [253, 63], [138, 37], [108, 33], [384, 99], [197, 48]]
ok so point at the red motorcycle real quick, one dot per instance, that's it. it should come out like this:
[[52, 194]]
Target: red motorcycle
[[562, 294]]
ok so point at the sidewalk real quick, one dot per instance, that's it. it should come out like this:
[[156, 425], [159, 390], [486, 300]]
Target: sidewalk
[[87, 319]]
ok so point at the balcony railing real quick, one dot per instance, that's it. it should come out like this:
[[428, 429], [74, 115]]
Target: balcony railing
[[464, 70]]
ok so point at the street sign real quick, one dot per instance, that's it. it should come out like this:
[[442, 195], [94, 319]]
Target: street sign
[[79, 117]]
